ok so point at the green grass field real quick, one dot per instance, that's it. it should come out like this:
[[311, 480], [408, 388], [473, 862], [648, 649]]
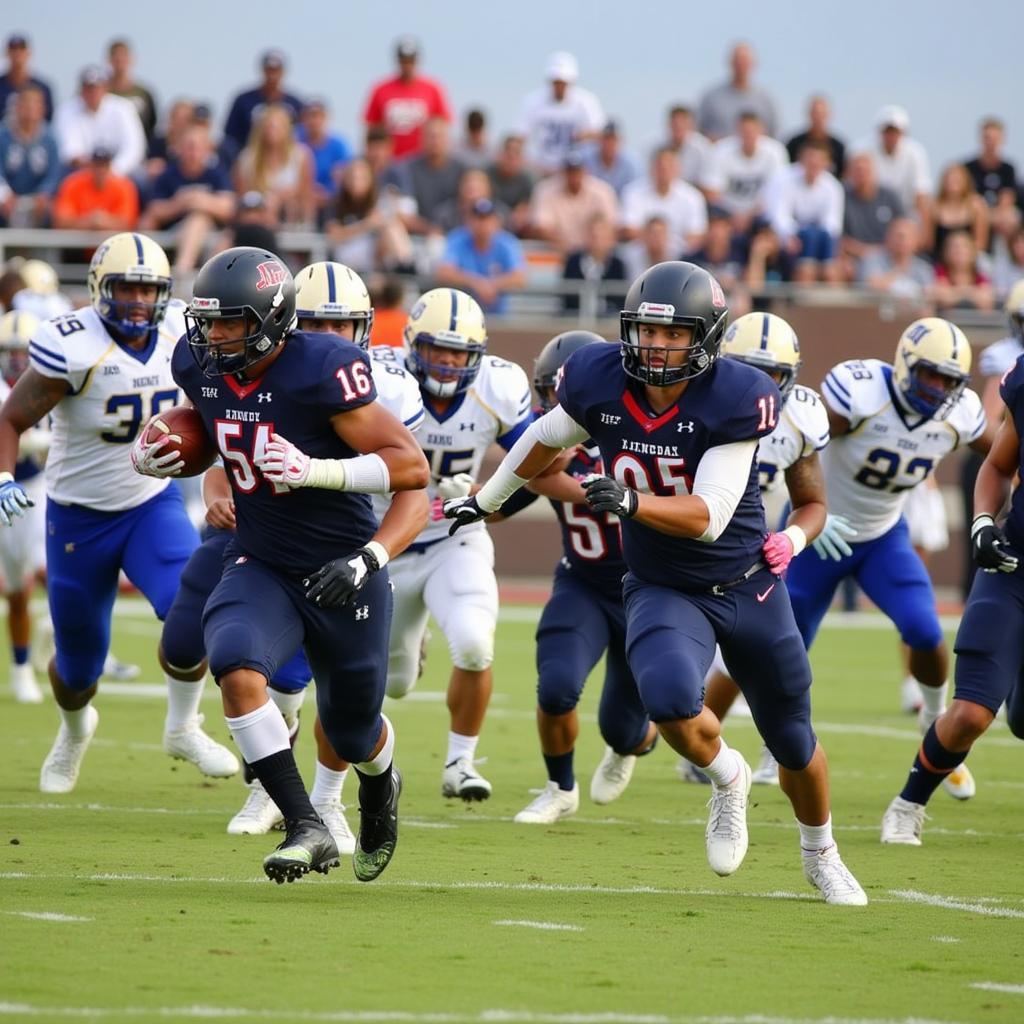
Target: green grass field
[[126, 900]]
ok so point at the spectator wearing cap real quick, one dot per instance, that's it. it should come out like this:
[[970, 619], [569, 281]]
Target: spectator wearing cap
[[819, 113], [996, 178], [121, 83], [596, 261], [19, 74], [246, 105], [29, 160], [473, 185], [559, 115], [664, 194], [692, 149], [565, 204], [96, 198], [94, 119], [512, 183], [720, 107], [475, 150], [607, 161], [868, 211], [403, 104], [330, 151], [483, 259], [432, 177]]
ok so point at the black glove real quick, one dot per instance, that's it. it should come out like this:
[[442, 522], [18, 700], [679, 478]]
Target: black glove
[[464, 511], [990, 547], [607, 495], [339, 581]]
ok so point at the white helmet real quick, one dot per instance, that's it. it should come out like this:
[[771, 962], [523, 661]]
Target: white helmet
[[332, 291], [445, 318], [129, 256], [17, 329], [768, 342], [1014, 307], [937, 345], [39, 277]]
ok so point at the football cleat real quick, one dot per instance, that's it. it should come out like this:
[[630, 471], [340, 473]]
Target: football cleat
[[333, 816], [611, 776], [959, 783], [192, 744], [460, 779], [60, 769], [378, 835], [259, 814], [24, 686], [767, 772], [689, 772], [903, 822], [119, 671], [826, 871], [911, 700], [307, 846], [550, 806], [726, 836]]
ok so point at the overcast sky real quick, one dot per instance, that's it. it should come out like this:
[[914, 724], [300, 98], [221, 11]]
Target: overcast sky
[[947, 62]]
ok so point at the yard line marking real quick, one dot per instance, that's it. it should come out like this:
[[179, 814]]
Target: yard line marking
[[998, 986], [544, 926], [46, 916], [948, 939], [952, 903]]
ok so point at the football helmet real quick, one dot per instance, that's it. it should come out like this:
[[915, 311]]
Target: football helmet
[[332, 291], [1014, 307], [16, 331], [445, 318], [129, 256], [676, 293], [937, 345], [241, 283], [39, 277], [766, 341], [552, 358]]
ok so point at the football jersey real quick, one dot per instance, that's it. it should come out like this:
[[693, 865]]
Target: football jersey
[[495, 408], [550, 127], [995, 360], [112, 391], [316, 377], [888, 449], [1011, 391], [802, 430], [660, 453]]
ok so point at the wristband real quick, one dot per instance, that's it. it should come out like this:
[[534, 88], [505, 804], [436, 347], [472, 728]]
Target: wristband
[[378, 551], [797, 538], [980, 522], [6, 478]]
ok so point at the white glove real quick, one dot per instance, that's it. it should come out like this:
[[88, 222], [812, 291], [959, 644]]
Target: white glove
[[457, 486], [148, 460], [831, 542], [283, 463]]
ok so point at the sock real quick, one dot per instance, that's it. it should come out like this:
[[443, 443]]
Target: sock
[[327, 785], [560, 770], [815, 838], [77, 722], [724, 767], [183, 699], [259, 733], [281, 779], [934, 702], [375, 775], [460, 746], [19, 654], [289, 703], [932, 764]]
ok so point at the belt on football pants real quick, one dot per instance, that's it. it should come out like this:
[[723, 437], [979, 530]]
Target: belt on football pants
[[720, 588]]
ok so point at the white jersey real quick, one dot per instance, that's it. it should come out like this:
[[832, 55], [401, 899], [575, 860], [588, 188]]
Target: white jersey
[[1000, 356], [112, 392], [550, 127], [801, 431], [888, 450]]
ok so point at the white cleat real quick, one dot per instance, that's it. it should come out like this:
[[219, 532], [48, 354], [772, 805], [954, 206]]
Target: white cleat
[[911, 700], [902, 822], [60, 769], [192, 744], [24, 686], [826, 871], [119, 671], [259, 814], [959, 783], [611, 777], [333, 816], [726, 835], [461, 779], [689, 772], [767, 772], [551, 805]]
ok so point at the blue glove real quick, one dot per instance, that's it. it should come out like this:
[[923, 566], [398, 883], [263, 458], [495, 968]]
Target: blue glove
[[13, 499], [831, 542]]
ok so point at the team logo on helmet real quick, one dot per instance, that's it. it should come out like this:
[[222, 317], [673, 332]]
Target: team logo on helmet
[[271, 274], [717, 295]]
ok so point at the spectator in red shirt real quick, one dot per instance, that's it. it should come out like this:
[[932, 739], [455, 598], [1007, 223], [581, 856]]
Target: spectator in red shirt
[[404, 103]]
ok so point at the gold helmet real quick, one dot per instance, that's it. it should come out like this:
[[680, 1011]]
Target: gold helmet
[[332, 291], [445, 318], [1015, 310], [17, 329], [132, 257], [768, 342], [39, 277], [934, 344]]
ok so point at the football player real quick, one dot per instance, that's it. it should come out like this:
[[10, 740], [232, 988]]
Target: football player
[[41, 295], [678, 431], [890, 427], [294, 417], [989, 660], [100, 372]]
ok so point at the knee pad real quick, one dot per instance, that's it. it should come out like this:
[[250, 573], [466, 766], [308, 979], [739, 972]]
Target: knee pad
[[471, 641]]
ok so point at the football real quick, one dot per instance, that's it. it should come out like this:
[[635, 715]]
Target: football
[[185, 427]]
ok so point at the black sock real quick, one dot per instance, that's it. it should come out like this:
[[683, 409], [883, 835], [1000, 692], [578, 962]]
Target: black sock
[[932, 764], [374, 790], [560, 770], [283, 783]]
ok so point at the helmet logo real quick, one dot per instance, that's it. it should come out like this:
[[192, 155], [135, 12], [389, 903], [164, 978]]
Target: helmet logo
[[271, 274], [199, 303], [917, 332], [656, 311], [717, 295]]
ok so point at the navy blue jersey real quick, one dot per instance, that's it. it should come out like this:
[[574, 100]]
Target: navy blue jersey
[[315, 377], [1011, 391], [659, 454]]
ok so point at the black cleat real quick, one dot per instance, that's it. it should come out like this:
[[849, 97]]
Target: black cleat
[[378, 835], [308, 846]]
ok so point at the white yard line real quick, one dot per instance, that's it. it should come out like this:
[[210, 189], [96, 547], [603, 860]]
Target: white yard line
[[953, 903], [947, 940], [544, 926], [998, 986], [46, 916]]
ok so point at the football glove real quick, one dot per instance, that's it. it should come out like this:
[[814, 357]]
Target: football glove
[[457, 486], [150, 459], [339, 581], [831, 542], [778, 552], [464, 511], [607, 495], [14, 499], [283, 463], [989, 545]]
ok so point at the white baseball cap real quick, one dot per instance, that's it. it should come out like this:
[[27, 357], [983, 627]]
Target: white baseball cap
[[562, 67], [892, 116]]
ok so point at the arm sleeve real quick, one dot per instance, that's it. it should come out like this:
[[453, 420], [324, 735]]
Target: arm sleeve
[[721, 478]]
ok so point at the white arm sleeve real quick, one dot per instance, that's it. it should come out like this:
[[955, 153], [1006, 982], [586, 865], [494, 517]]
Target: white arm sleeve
[[720, 481], [555, 429]]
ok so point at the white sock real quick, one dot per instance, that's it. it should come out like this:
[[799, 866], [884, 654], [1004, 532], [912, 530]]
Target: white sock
[[327, 785], [815, 838], [934, 698], [289, 705], [724, 767], [461, 746], [183, 697], [77, 722], [382, 762], [259, 733]]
